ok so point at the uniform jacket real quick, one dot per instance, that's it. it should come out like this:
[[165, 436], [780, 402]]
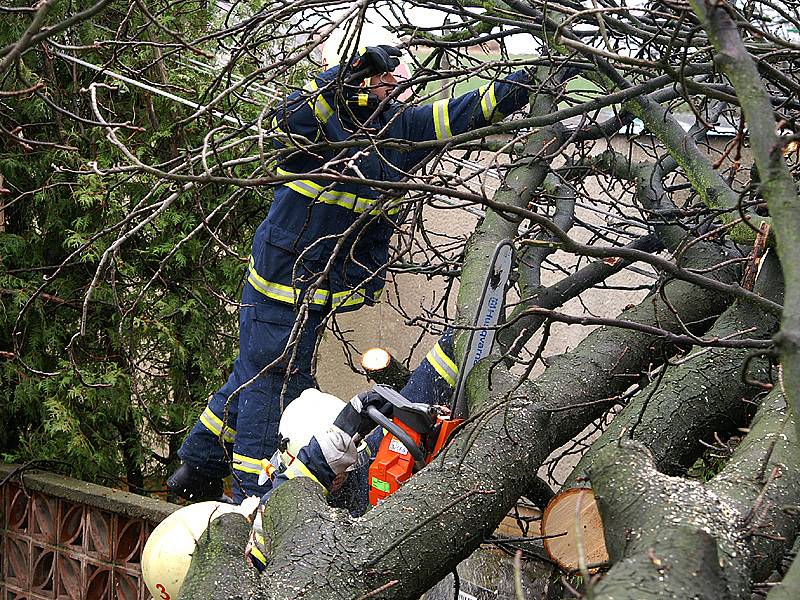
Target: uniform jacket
[[343, 229]]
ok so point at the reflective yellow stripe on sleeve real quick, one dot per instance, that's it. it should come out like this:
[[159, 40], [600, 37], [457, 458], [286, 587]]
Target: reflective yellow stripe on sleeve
[[298, 469], [256, 552], [319, 193], [319, 105], [216, 426], [489, 103], [443, 364], [441, 119], [256, 546]]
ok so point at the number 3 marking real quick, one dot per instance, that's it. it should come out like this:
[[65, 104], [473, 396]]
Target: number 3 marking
[[162, 589]]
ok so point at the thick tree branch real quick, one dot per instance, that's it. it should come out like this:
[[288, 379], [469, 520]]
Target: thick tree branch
[[695, 398], [494, 456], [789, 587], [651, 519], [777, 185]]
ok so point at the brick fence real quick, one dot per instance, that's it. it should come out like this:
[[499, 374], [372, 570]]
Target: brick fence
[[67, 539]]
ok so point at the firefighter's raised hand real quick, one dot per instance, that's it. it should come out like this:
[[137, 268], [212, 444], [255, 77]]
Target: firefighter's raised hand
[[374, 60], [354, 418]]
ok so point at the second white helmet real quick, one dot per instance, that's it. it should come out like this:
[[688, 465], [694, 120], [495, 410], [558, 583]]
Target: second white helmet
[[311, 413]]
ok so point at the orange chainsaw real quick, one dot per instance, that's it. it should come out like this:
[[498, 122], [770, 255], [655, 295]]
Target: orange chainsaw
[[417, 432]]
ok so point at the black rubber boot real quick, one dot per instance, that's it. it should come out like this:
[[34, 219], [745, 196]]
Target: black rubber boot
[[190, 484]]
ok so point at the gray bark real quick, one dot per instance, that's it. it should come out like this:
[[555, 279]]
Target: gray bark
[[223, 544], [653, 520], [521, 182], [697, 398], [789, 587], [444, 512], [777, 184]]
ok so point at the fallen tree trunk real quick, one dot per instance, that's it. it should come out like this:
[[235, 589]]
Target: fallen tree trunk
[[778, 186], [673, 537], [789, 587], [699, 397], [438, 518]]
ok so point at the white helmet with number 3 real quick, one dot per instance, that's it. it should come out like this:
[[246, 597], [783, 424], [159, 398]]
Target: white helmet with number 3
[[168, 551]]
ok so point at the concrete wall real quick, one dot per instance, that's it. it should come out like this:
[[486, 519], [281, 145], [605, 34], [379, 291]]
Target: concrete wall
[[387, 324]]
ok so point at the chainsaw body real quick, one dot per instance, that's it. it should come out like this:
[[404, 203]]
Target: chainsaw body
[[394, 464], [416, 434]]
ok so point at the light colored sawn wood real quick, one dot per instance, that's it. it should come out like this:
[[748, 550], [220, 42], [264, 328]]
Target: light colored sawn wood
[[511, 527], [569, 510]]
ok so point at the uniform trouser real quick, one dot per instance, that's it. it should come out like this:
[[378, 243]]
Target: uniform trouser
[[241, 429]]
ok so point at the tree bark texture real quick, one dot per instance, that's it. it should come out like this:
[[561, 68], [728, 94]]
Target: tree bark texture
[[517, 190], [223, 545], [699, 397], [789, 587], [777, 184], [444, 512], [663, 533]]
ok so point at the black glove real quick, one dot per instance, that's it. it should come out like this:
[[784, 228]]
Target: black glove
[[353, 419], [376, 59]]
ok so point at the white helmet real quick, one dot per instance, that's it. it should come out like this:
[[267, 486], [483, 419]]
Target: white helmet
[[168, 551], [371, 35], [311, 413]]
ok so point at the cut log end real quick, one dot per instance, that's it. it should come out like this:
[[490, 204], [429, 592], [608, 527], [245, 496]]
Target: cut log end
[[574, 531]]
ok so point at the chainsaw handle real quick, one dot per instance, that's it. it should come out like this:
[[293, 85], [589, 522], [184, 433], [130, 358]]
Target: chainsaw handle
[[397, 432]]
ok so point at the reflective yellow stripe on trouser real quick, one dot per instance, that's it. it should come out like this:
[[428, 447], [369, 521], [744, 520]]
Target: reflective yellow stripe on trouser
[[349, 297], [290, 295], [246, 464], [216, 426], [319, 193], [443, 364], [280, 292]]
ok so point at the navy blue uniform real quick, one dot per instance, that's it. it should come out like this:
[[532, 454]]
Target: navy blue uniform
[[323, 243], [432, 382]]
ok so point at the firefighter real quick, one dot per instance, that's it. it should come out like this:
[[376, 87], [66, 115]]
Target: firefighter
[[324, 244], [317, 440], [330, 456]]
